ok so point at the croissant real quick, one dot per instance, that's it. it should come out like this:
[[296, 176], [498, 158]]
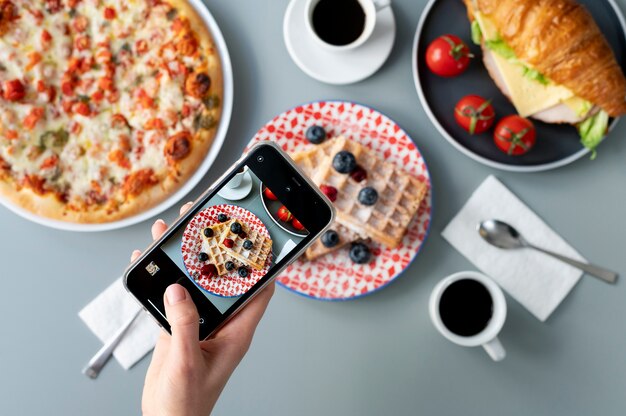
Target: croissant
[[561, 40]]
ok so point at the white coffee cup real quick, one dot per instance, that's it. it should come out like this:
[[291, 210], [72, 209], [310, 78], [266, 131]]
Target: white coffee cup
[[236, 180], [370, 8], [488, 337]]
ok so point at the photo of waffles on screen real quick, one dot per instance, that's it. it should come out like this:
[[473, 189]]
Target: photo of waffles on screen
[[234, 239]]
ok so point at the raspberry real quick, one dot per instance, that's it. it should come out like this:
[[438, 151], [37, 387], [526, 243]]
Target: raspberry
[[329, 191], [358, 174], [208, 270], [229, 243]]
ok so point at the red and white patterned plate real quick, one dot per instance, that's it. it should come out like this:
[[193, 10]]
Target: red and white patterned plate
[[231, 284], [335, 276]]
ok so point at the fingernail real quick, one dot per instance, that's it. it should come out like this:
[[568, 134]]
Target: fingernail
[[160, 221], [175, 293]]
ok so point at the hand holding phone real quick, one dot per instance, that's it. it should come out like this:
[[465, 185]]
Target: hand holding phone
[[168, 383], [233, 241]]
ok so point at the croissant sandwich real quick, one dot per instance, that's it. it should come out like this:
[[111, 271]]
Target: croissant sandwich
[[551, 60]]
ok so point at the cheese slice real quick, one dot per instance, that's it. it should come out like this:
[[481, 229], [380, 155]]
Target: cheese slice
[[528, 96]]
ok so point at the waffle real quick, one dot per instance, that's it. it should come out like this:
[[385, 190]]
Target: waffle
[[257, 255], [399, 194], [211, 246], [308, 160], [317, 249]]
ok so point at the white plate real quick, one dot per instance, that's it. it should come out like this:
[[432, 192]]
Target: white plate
[[337, 68], [218, 141]]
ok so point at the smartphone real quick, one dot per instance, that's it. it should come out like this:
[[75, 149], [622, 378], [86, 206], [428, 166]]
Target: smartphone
[[238, 236]]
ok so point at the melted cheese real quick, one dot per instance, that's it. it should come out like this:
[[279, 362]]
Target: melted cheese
[[528, 96]]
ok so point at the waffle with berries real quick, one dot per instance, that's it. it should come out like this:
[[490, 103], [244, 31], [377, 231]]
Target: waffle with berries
[[211, 246], [233, 245], [318, 249], [399, 194], [308, 160]]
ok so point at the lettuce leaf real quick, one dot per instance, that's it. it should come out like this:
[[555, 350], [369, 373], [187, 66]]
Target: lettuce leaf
[[500, 47], [592, 131], [535, 75], [477, 34]]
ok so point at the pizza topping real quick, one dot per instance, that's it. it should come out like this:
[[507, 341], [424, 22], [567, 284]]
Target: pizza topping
[[8, 13], [14, 90], [54, 6], [178, 146], [109, 13], [198, 84], [36, 114], [137, 182], [54, 139]]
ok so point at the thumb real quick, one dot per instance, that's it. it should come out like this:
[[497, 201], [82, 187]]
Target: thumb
[[182, 316]]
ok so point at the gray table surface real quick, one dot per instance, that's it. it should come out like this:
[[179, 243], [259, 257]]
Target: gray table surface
[[374, 356]]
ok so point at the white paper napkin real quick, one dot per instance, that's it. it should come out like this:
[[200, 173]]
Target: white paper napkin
[[109, 311], [536, 280]]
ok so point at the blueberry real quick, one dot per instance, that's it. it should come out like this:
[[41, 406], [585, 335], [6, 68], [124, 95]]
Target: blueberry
[[344, 162], [243, 272], [229, 265], [222, 217], [247, 244], [330, 238], [360, 253], [368, 196], [235, 228], [208, 232], [203, 257], [315, 134]]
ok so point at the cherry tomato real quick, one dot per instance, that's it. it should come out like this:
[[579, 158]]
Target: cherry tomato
[[284, 214], [514, 135], [448, 56], [474, 114], [297, 224], [269, 194]]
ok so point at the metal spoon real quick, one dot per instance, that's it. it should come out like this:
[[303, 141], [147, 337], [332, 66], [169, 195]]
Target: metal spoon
[[502, 235], [96, 364]]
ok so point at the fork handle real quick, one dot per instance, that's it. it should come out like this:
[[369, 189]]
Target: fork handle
[[96, 364], [596, 271]]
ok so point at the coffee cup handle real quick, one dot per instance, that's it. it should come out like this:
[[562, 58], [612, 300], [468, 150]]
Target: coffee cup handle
[[381, 4], [495, 349]]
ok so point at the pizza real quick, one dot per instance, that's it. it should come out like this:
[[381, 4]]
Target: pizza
[[106, 107]]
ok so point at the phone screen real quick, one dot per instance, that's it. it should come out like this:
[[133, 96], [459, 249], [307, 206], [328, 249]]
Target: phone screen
[[233, 241]]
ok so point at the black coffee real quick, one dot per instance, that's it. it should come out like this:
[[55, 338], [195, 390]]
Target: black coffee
[[338, 22], [466, 307]]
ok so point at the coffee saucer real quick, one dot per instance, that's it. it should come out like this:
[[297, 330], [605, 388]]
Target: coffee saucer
[[240, 192], [337, 67]]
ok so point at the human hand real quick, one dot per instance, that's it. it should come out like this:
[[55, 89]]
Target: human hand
[[186, 376]]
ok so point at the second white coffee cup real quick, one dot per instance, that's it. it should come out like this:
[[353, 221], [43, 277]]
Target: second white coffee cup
[[369, 9], [487, 337]]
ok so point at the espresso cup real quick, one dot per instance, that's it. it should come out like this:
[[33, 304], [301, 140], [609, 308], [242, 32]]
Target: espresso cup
[[341, 25], [236, 180], [469, 309]]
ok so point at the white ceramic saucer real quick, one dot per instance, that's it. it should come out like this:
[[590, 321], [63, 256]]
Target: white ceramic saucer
[[240, 192], [331, 67]]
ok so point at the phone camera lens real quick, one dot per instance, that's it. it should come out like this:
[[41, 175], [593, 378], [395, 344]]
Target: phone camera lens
[[260, 159], [288, 189]]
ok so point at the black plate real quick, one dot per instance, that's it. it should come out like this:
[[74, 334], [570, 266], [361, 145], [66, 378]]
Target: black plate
[[557, 145], [272, 207]]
